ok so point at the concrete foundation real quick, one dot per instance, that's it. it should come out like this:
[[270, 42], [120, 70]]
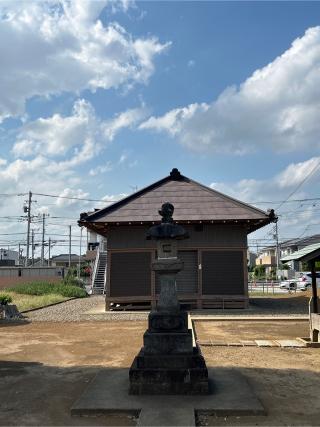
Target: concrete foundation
[[230, 394]]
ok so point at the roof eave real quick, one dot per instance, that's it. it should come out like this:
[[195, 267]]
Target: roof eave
[[251, 225]]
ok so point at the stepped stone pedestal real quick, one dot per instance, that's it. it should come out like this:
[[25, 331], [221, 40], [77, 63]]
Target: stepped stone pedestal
[[168, 363]]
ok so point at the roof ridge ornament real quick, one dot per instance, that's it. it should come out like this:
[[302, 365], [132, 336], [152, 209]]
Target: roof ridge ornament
[[271, 213], [175, 174]]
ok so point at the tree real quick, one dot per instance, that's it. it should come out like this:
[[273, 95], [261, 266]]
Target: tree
[[259, 271]]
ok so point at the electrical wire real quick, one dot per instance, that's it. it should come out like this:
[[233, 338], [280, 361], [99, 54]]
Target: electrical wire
[[114, 201], [309, 175]]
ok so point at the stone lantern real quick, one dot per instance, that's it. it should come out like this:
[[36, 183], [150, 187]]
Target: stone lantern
[[168, 363]]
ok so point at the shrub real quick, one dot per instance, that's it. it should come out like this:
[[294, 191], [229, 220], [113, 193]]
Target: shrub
[[43, 288], [72, 291], [5, 299], [74, 281]]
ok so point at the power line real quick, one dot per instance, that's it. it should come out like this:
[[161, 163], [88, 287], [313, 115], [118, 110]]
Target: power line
[[301, 183], [12, 194], [74, 198], [114, 201]]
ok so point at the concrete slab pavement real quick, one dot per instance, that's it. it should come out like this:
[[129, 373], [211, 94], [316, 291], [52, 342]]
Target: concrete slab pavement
[[108, 394]]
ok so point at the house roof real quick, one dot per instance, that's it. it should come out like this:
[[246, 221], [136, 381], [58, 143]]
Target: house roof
[[193, 202], [65, 257], [306, 254], [305, 241]]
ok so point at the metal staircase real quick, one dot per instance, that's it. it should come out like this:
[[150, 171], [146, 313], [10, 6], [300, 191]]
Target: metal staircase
[[99, 273]]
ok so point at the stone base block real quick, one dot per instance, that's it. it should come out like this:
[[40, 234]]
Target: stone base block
[[168, 322], [168, 381], [169, 374], [167, 343], [173, 361]]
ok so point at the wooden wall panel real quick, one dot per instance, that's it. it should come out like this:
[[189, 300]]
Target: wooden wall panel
[[130, 274], [209, 235], [222, 273], [187, 279]]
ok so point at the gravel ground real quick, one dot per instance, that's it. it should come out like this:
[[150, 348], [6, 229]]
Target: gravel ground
[[287, 305], [295, 305], [75, 310]]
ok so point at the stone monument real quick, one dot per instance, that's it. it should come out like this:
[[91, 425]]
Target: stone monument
[[168, 363]]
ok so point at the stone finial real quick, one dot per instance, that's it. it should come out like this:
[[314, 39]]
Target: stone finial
[[167, 229], [166, 212]]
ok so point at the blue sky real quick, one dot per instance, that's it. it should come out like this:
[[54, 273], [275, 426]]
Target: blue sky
[[100, 97]]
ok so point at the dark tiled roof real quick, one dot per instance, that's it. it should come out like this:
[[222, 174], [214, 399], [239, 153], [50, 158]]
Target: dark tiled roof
[[305, 241], [65, 257], [192, 202]]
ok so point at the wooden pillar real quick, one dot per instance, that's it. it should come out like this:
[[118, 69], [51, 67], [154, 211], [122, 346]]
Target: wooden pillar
[[199, 298], [153, 283], [108, 290], [314, 287]]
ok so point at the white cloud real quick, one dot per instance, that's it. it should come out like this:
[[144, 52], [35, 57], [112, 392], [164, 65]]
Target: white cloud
[[293, 216], [62, 46], [274, 188], [81, 135], [277, 107], [124, 161], [56, 135], [48, 154], [108, 199], [295, 173], [69, 197], [173, 121], [126, 119], [101, 169]]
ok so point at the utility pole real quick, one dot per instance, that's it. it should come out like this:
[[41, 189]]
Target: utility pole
[[42, 242], [69, 246], [49, 253], [32, 247], [277, 248], [80, 250], [19, 254], [28, 210]]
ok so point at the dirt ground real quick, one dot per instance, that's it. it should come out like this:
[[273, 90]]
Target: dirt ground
[[252, 330], [46, 366]]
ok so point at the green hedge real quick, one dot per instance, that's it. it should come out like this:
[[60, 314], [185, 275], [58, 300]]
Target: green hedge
[[5, 299], [43, 288]]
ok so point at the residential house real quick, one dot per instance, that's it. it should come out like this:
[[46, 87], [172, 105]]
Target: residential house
[[8, 257], [62, 260]]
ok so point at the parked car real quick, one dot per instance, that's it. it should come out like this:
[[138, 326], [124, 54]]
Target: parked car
[[305, 281], [289, 284]]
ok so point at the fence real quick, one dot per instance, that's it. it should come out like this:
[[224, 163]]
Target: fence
[[12, 276], [265, 287], [32, 271]]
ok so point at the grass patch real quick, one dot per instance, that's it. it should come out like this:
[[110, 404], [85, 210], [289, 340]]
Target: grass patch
[[39, 294], [28, 302], [45, 288]]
